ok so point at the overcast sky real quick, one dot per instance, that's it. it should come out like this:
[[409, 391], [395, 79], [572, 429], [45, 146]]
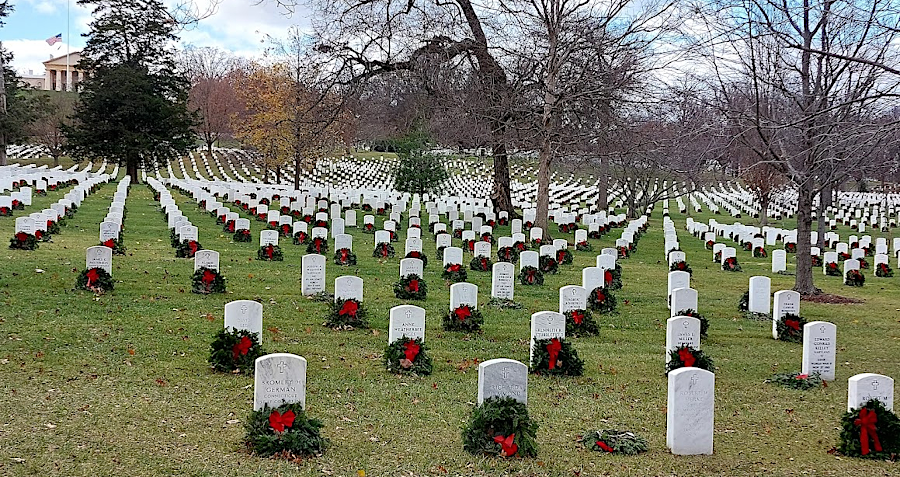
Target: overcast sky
[[239, 26]]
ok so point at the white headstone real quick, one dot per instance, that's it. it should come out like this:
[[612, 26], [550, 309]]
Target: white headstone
[[312, 274], [500, 378], [785, 302], [682, 331], [348, 287], [760, 293], [690, 411], [206, 259], [279, 378], [546, 325], [572, 297], [244, 315], [268, 237], [779, 261], [819, 345], [683, 299], [677, 279], [408, 321], [503, 280], [863, 387], [99, 256], [463, 294]]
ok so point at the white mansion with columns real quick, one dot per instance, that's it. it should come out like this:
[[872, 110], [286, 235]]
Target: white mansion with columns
[[59, 74]]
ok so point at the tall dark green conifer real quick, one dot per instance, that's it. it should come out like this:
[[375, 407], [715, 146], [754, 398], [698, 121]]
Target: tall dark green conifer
[[133, 105]]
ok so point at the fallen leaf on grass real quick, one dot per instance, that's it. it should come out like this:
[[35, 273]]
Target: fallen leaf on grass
[[161, 381]]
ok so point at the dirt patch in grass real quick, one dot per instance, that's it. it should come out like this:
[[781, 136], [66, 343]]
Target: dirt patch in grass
[[829, 299]]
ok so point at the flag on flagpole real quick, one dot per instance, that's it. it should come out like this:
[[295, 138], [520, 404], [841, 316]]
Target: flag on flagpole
[[54, 39]]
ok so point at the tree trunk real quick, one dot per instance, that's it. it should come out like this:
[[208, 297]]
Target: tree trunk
[[603, 186], [824, 204], [55, 160], [541, 218], [131, 168], [500, 194], [2, 108], [209, 144], [297, 161], [763, 207], [804, 279]]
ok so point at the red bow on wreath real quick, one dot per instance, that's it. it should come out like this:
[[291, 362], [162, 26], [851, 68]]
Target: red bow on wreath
[[471, 245], [270, 251], [577, 317], [792, 324], [318, 244], [599, 295], [231, 226], [866, 423], [344, 254], [411, 350], [413, 286], [454, 267], [520, 246], [49, 224], [242, 347], [279, 421], [92, 276], [208, 277], [349, 308], [414, 254], [507, 445], [686, 357], [110, 243], [560, 255], [553, 348], [607, 277], [530, 275], [484, 264], [462, 313], [21, 236], [38, 234], [384, 250], [603, 446]]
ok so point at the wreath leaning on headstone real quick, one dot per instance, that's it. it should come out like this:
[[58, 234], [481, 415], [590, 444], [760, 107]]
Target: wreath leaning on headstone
[[317, 245], [417, 254], [614, 441], [564, 256], [500, 427], [790, 328], [454, 272], [508, 254], [680, 266], [548, 264], [115, 244], [463, 318], [481, 264], [206, 281], [600, 299], [187, 249], [731, 265], [410, 287], [285, 431], [383, 250], [346, 315], [855, 278], [871, 431], [96, 280], [580, 323], [407, 356], [270, 253], [23, 241], [556, 357], [584, 246], [688, 357], [531, 276], [235, 351], [883, 270], [344, 257]]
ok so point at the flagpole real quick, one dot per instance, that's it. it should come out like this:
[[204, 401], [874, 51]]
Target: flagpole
[[68, 39]]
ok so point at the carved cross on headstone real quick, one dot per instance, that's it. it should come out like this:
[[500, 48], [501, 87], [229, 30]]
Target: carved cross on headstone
[[504, 373], [821, 329], [281, 367], [875, 385], [693, 380], [408, 314], [244, 309]]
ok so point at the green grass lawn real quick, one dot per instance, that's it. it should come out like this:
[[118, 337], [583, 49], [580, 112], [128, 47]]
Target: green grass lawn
[[120, 384]]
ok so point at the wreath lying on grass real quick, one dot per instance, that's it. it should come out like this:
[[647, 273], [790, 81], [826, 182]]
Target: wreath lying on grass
[[481, 264], [500, 427], [531, 276], [23, 241], [580, 323], [584, 246], [614, 441], [602, 300], [816, 261], [206, 281], [235, 351], [556, 357], [503, 304], [883, 270], [710, 244], [407, 356], [454, 272], [115, 244], [704, 323], [187, 249], [346, 315], [417, 254], [508, 254], [564, 256], [548, 264], [284, 432], [832, 269], [318, 245], [760, 252], [790, 247], [871, 431], [680, 266], [242, 235], [799, 381], [463, 318], [688, 357], [270, 253], [410, 287], [344, 257], [863, 264], [623, 252], [383, 250], [790, 328], [731, 265], [96, 280], [855, 278]]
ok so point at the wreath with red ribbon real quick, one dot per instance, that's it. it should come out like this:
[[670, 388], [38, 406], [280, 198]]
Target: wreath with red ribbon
[[285, 431], [408, 356], [688, 357], [536, 243], [832, 269], [206, 281], [556, 357], [487, 237], [614, 441], [520, 246], [600, 299], [5, 211], [52, 227], [235, 351], [760, 252], [527, 225], [508, 254], [803, 382], [317, 245], [816, 260], [680, 266], [410, 287], [367, 208], [187, 249], [228, 226], [704, 323], [322, 223], [790, 247], [710, 244], [96, 280], [347, 315], [468, 246], [843, 256], [747, 246], [717, 257], [464, 318], [564, 256], [301, 238], [596, 234], [531, 276], [883, 270], [548, 264], [383, 250], [871, 432], [500, 427], [242, 235], [285, 230], [855, 278], [584, 246], [272, 225], [457, 233], [270, 252], [115, 244], [481, 264], [454, 272], [394, 236], [863, 264], [417, 254], [504, 221], [624, 252], [580, 323], [790, 328], [731, 265], [344, 257], [23, 241]]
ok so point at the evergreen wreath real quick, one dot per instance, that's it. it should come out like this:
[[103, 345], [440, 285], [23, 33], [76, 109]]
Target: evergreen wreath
[[508, 254], [710, 244], [816, 261], [504, 221], [284, 431], [242, 235], [580, 323], [394, 236], [42, 236], [747, 246], [321, 223], [116, 245], [96, 280], [440, 253], [760, 252], [600, 299], [584, 246], [527, 225], [417, 254], [883, 270], [383, 250], [704, 323], [790, 247], [463, 318], [487, 237], [344, 257], [457, 233], [366, 208], [790, 328], [531, 276], [468, 246], [520, 246], [564, 256], [454, 272], [563, 228], [613, 278], [623, 252], [301, 238], [843, 256], [410, 287], [270, 253], [23, 241], [346, 315], [863, 264], [318, 245], [744, 302], [187, 249], [503, 304], [481, 264], [731, 265], [832, 269], [596, 234], [855, 278], [52, 227], [871, 432], [408, 356], [614, 441], [687, 357], [680, 266], [228, 227], [285, 230], [536, 243], [369, 228], [500, 427], [556, 357], [548, 264], [717, 257], [235, 351], [206, 281], [5, 211], [803, 382], [70, 211]]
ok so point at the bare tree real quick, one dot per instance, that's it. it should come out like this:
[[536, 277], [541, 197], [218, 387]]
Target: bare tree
[[53, 111], [213, 74]]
